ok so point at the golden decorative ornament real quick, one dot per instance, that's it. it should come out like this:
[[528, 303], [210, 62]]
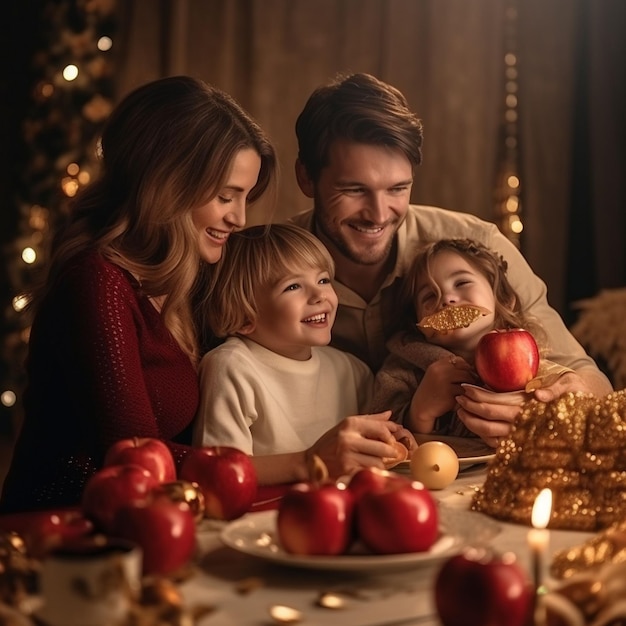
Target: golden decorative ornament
[[606, 547], [19, 572], [450, 318], [185, 491], [590, 597]]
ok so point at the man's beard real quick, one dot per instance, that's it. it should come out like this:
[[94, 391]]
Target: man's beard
[[342, 245]]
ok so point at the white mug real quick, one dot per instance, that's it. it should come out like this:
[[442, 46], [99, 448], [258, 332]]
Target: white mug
[[90, 583]]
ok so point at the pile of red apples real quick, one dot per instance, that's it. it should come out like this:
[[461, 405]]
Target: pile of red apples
[[387, 513], [138, 496]]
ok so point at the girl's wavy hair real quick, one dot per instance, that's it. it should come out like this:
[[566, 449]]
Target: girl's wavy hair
[[259, 257], [509, 312], [167, 148]]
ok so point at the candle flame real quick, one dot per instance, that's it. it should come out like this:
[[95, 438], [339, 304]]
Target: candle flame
[[542, 509]]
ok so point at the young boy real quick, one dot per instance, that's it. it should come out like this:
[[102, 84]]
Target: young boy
[[275, 389]]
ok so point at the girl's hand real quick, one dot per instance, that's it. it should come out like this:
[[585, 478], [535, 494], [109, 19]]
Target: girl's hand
[[437, 392]]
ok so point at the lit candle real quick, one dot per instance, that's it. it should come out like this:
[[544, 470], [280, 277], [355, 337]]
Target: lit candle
[[539, 536], [538, 540]]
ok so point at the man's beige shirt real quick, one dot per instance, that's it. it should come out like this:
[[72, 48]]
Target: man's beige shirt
[[362, 328]]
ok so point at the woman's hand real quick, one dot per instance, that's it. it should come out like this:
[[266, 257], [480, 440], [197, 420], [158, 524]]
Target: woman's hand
[[437, 392], [359, 441]]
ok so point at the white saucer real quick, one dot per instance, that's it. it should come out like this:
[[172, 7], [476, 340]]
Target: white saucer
[[480, 394]]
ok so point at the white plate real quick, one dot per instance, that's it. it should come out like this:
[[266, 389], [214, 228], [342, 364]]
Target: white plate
[[496, 397], [404, 467], [469, 461], [255, 534], [470, 450]]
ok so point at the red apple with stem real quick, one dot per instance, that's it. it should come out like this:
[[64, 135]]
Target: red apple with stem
[[113, 487], [506, 360], [226, 477], [479, 588], [367, 480], [400, 518], [151, 453], [165, 530], [316, 519]]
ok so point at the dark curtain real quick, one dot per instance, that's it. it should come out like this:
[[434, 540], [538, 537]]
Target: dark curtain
[[447, 57], [596, 252]]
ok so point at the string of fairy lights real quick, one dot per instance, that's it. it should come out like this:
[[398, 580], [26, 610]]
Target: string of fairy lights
[[72, 95], [508, 187]]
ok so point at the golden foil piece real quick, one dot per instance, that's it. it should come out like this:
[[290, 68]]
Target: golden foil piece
[[450, 318], [574, 445], [282, 614], [162, 604], [248, 585]]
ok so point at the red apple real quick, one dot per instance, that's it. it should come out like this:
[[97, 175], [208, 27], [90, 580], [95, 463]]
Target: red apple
[[316, 519], [113, 487], [148, 452], [402, 517], [479, 587], [165, 530], [44, 531], [226, 477], [367, 480], [506, 360]]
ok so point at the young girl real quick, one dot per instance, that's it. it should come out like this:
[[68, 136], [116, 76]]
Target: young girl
[[275, 389], [113, 349], [424, 373]]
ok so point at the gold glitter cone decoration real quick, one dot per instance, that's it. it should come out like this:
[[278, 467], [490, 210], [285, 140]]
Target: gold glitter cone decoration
[[451, 318], [576, 446]]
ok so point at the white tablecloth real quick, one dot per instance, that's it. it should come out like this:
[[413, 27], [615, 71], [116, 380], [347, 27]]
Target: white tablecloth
[[375, 599]]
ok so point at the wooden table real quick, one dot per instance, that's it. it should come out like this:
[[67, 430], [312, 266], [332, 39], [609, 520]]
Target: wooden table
[[399, 597]]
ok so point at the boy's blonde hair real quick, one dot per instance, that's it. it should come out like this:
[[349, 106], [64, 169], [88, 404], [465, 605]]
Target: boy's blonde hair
[[255, 259]]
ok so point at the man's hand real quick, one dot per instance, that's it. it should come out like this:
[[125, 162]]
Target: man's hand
[[587, 382], [490, 420]]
